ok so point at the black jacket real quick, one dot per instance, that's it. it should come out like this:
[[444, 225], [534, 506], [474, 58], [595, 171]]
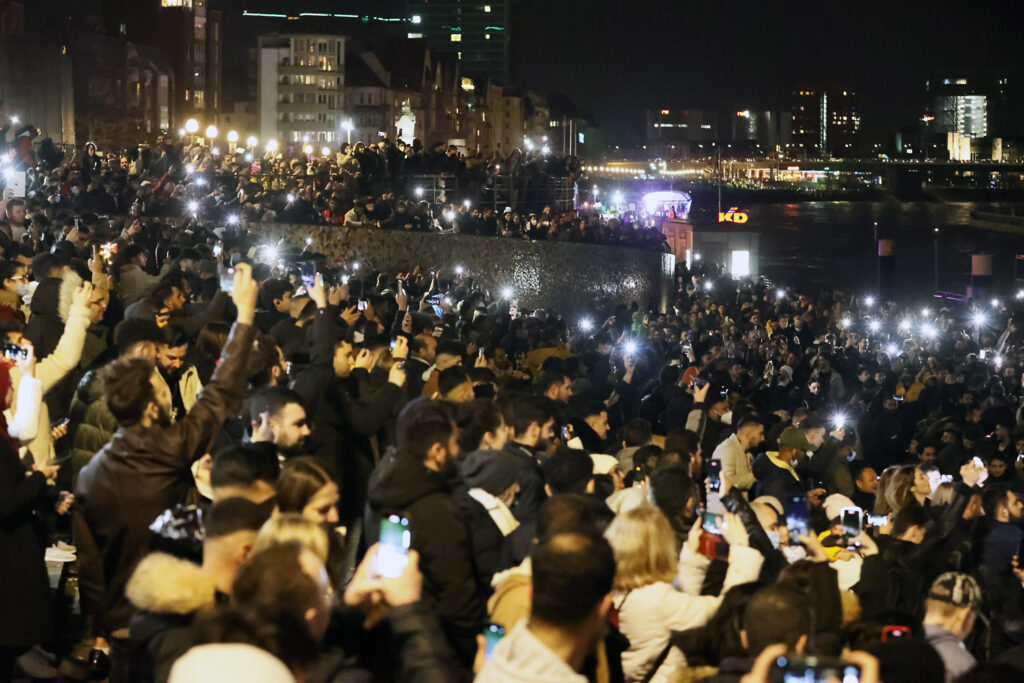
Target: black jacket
[[402, 485], [531, 485], [24, 586], [139, 474], [773, 480]]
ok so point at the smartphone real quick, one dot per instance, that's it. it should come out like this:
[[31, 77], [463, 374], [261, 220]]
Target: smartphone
[[434, 299], [699, 382], [394, 343], [709, 522], [797, 518], [307, 271], [793, 668], [714, 476], [227, 280], [108, 251], [877, 520], [895, 631], [361, 305], [977, 462], [852, 521], [217, 250], [945, 478], [492, 634], [13, 352], [393, 550]]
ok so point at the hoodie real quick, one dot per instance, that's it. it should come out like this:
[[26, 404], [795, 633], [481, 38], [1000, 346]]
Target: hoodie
[[401, 484], [521, 656]]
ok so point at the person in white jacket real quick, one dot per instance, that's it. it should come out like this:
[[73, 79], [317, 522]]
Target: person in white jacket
[[735, 453], [52, 369], [648, 605]]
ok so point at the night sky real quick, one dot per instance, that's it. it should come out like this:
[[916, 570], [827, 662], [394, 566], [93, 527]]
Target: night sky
[[616, 58]]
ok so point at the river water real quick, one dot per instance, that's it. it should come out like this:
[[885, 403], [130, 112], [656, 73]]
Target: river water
[[831, 244]]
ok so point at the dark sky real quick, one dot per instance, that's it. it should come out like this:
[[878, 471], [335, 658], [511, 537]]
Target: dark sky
[[615, 58]]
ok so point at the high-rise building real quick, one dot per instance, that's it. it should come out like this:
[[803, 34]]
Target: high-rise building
[[301, 89], [189, 34], [477, 30], [680, 133], [826, 122], [958, 105]]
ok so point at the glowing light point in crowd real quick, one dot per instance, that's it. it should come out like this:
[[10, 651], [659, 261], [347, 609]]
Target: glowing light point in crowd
[[308, 149], [344, 279], [696, 257], [325, 151], [874, 325], [252, 141], [199, 182], [291, 198], [216, 151], [891, 349], [248, 157], [466, 203], [617, 197], [355, 265], [193, 207], [449, 215], [998, 360], [709, 285], [506, 292], [586, 324], [232, 219], [419, 191], [869, 301], [926, 311], [929, 331], [844, 323], [630, 348], [271, 145], [979, 319], [232, 136], [181, 132], [189, 168], [995, 303], [545, 150], [191, 126], [838, 420], [309, 241], [15, 120], [211, 131], [458, 270], [780, 294], [905, 325]]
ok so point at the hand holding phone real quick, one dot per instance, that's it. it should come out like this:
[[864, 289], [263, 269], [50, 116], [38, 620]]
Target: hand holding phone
[[493, 633], [714, 476], [393, 551]]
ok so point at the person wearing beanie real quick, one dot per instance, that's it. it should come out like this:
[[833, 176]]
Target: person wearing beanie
[[496, 538]]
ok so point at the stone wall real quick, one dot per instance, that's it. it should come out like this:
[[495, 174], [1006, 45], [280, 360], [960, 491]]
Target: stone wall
[[554, 275]]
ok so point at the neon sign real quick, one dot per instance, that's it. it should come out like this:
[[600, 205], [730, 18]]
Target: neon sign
[[733, 216]]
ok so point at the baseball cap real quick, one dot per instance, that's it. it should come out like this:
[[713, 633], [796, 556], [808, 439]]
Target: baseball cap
[[793, 437], [957, 589]]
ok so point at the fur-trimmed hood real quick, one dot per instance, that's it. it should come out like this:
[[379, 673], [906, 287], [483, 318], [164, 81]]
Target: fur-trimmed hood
[[164, 583]]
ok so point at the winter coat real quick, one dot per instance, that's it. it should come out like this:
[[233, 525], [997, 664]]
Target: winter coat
[[402, 485], [93, 422], [649, 615], [134, 284], [50, 370], [24, 584], [168, 593], [492, 551], [531, 485], [954, 655], [775, 480], [139, 474], [735, 463]]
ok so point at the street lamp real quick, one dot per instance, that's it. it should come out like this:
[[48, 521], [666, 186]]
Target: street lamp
[[232, 136], [211, 132], [191, 126], [347, 125], [325, 151]]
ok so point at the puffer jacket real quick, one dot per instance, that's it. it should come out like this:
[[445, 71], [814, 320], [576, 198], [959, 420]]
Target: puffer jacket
[[139, 474], [50, 370], [94, 423]]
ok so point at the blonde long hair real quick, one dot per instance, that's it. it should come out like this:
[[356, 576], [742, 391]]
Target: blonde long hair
[[644, 547], [292, 526]]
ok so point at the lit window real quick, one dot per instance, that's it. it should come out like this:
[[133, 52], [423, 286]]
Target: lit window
[[487, 8], [416, 19], [487, 36], [456, 37]]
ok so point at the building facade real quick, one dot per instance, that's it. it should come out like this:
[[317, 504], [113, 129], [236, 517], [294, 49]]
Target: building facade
[[476, 30], [190, 36], [957, 105], [36, 86], [680, 133], [826, 122], [301, 97]]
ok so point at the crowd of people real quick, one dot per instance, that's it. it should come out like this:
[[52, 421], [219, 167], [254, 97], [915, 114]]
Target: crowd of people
[[376, 186], [221, 461]]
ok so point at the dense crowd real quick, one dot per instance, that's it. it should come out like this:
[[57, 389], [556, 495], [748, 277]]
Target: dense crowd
[[380, 185], [221, 461]]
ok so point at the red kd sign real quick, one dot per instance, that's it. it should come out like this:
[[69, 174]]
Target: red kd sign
[[732, 216]]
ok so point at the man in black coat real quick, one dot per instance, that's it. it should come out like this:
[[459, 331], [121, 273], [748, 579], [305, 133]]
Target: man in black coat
[[414, 481]]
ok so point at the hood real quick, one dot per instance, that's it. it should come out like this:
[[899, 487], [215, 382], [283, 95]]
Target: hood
[[520, 656], [399, 481], [46, 297], [762, 466], [68, 284], [164, 583]]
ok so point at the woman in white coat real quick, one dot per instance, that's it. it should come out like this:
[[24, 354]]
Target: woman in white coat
[[648, 604]]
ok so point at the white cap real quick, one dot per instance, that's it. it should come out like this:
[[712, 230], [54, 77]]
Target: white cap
[[229, 662]]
